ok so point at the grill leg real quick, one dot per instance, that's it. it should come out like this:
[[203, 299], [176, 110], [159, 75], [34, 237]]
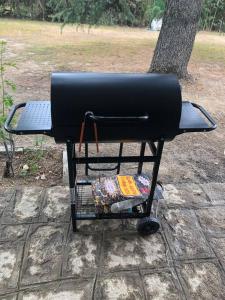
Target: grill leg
[[155, 175], [72, 178], [142, 153], [119, 158], [152, 148]]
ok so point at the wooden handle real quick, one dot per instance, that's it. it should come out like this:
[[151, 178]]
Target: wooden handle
[[81, 136]]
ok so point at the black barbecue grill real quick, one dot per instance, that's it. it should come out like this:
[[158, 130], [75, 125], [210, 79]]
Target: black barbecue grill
[[100, 107]]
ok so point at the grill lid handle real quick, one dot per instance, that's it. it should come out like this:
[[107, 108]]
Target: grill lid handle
[[118, 118]]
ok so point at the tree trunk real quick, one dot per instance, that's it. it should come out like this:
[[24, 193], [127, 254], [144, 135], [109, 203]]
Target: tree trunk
[[176, 38], [42, 5]]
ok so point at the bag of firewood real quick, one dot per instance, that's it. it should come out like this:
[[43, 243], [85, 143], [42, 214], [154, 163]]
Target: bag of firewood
[[110, 192]]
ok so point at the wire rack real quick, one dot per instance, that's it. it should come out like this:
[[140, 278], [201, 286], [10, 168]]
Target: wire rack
[[85, 207], [84, 202]]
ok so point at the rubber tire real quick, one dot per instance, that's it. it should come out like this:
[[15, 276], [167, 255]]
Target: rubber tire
[[148, 225]]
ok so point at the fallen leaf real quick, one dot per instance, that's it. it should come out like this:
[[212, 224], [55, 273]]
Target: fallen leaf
[[25, 167], [43, 177]]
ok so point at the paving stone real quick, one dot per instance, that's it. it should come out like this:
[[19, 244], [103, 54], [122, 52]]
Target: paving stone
[[7, 192], [162, 285], [5, 196], [106, 225], [13, 232], [120, 225], [56, 205], [90, 225], [9, 297], [187, 195], [212, 220], [63, 290], [215, 191], [43, 253], [107, 246], [10, 263], [129, 250], [184, 235], [24, 207], [17, 149], [119, 286], [81, 255], [3, 204], [218, 245], [116, 225], [202, 281]]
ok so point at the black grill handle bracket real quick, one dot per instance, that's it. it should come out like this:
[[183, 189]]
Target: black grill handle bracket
[[206, 114], [119, 118], [11, 114]]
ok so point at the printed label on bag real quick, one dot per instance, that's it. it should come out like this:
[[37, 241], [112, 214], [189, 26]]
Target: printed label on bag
[[110, 186], [128, 186]]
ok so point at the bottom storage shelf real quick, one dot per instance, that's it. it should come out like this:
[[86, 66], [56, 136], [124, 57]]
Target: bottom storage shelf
[[85, 207]]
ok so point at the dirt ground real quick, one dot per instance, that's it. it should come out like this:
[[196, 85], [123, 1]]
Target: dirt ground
[[34, 167], [39, 49]]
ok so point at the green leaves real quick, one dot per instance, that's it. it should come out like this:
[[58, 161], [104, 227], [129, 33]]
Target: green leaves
[[2, 68], [99, 12], [8, 101], [106, 12], [2, 119], [3, 43], [10, 84], [10, 64], [6, 86], [2, 131], [213, 15]]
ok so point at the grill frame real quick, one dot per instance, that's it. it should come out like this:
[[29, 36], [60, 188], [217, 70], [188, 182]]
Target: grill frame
[[36, 118], [73, 162]]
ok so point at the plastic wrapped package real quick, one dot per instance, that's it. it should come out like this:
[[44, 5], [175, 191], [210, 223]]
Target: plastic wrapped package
[[131, 189]]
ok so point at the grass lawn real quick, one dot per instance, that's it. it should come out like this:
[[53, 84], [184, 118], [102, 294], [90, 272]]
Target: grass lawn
[[106, 48]]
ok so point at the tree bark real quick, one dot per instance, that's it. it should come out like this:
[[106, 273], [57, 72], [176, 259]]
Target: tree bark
[[176, 38], [42, 5]]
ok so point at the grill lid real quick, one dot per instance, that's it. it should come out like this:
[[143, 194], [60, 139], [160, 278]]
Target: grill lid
[[156, 97]]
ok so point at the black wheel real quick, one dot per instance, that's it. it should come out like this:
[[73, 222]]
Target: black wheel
[[147, 225]]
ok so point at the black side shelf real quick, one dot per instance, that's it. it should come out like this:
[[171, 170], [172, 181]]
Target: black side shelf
[[194, 118], [35, 118]]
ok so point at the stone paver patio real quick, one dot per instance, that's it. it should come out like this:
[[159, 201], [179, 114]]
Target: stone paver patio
[[41, 259]]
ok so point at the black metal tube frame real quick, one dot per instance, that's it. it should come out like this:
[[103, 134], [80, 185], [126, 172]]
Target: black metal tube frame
[[88, 167], [86, 160]]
